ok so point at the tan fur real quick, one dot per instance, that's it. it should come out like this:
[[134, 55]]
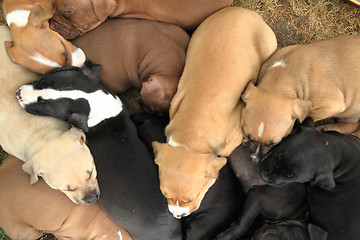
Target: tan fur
[[48, 147], [320, 80], [29, 211], [36, 37], [225, 53]]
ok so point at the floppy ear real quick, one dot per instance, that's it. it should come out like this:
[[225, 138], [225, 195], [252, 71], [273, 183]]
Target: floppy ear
[[32, 170], [157, 148], [316, 232], [39, 16], [215, 164], [103, 8], [10, 49], [92, 71], [308, 124], [250, 88], [79, 120], [77, 134], [301, 109], [324, 180]]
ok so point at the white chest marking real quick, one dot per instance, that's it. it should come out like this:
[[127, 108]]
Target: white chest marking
[[261, 129], [279, 63], [18, 17], [43, 60], [173, 143]]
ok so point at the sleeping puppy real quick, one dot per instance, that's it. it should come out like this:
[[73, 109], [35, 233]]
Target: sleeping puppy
[[138, 54], [127, 174], [330, 162], [50, 148], [205, 112], [29, 211], [74, 18], [319, 80]]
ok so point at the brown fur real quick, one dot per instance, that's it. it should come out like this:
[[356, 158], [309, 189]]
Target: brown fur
[[224, 54], [319, 80], [36, 37], [74, 18], [27, 211]]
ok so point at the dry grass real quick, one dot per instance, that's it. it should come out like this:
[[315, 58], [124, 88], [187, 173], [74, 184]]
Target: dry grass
[[293, 21]]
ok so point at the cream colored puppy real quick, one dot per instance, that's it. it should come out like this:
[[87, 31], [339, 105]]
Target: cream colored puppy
[[49, 147], [225, 53], [319, 80]]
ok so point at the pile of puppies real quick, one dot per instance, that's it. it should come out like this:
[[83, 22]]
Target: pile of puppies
[[232, 97]]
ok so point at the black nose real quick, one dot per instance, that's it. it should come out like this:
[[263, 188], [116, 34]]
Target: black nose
[[91, 198], [18, 94]]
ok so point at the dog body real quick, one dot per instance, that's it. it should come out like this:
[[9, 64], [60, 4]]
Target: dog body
[[205, 112], [319, 80], [28, 211], [330, 162], [48, 147], [143, 54], [35, 46], [76, 18], [127, 174]]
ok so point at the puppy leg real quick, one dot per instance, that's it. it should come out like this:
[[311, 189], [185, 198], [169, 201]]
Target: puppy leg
[[252, 209]]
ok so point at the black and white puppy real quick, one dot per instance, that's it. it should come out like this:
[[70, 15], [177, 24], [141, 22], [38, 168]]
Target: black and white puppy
[[330, 161], [127, 174]]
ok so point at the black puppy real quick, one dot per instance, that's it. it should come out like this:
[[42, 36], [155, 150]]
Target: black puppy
[[330, 161], [127, 174]]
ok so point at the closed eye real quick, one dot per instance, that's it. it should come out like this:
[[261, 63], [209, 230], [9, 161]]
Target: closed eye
[[69, 189]]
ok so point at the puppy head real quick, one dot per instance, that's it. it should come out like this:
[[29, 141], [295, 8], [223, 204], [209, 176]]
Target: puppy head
[[74, 18], [40, 49], [300, 157], [185, 176], [268, 117], [66, 164], [157, 93]]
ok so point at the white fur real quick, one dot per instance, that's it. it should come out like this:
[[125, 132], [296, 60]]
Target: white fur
[[173, 143], [119, 233], [78, 58], [280, 63], [102, 105], [43, 60], [261, 129], [177, 211], [18, 17]]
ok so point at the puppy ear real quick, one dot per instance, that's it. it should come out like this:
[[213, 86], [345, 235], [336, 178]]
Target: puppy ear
[[307, 124], [316, 232], [10, 49], [79, 120], [215, 165], [32, 170], [103, 8], [250, 88], [301, 109], [77, 134], [324, 180], [39, 16], [92, 71], [157, 148]]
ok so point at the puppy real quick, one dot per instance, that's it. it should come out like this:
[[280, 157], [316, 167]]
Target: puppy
[[320, 80], [29, 211], [35, 46], [139, 54], [205, 112], [330, 162], [50, 148], [127, 174], [73, 19]]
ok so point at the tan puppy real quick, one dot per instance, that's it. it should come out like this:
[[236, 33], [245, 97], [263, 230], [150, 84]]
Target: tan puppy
[[48, 147], [74, 18], [35, 46], [29, 211], [320, 80], [225, 53]]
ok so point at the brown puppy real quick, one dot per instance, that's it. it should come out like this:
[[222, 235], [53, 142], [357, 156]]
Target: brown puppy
[[143, 54], [225, 52], [28, 211], [320, 80], [74, 18], [35, 46]]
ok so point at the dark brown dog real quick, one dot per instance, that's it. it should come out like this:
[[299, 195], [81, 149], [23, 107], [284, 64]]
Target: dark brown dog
[[143, 54], [74, 18]]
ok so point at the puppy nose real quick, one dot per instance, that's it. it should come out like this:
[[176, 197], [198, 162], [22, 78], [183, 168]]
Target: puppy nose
[[91, 198], [178, 216]]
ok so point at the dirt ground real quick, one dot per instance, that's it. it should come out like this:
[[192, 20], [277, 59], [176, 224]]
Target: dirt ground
[[293, 21]]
